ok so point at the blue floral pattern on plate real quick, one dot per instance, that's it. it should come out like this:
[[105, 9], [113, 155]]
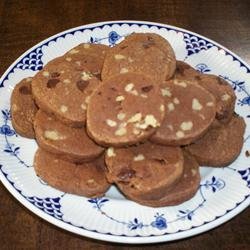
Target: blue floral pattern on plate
[[160, 222]]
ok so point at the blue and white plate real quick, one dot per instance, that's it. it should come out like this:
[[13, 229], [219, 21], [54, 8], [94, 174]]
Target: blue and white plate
[[223, 192]]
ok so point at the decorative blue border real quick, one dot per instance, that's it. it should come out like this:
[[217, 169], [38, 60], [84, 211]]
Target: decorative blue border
[[160, 222], [51, 206], [32, 60], [192, 43]]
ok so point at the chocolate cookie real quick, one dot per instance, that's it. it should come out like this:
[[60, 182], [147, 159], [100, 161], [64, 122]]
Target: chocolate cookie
[[124, 110], [153, 39], [62, 90], [190, 110], [88, 55], [220, 145], [143, 53], [223, 92], [183, 190], [23, 109], [69, 143], [185, 72], [144, 171], [87, 179]]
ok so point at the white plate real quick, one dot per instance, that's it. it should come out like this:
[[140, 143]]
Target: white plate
[[223, 192]]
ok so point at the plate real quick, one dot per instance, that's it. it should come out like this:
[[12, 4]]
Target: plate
[[223, 192]]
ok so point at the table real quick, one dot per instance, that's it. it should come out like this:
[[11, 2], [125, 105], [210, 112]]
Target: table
[[25, 23]]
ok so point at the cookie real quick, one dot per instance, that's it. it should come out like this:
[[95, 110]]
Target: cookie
[[223, 92], [144, 171], [72, 144], [141, 54], [153, 39], [190, 110], [182, 191], [87, 179], [124, 110], [221, 144], [185, 72], [88, 55], [61, 90], [23, 109]]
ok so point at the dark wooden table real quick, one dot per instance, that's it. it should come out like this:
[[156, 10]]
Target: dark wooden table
[[25, 23]]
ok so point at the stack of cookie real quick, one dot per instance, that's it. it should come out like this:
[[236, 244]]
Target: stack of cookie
[[67, 158], [130, 115]]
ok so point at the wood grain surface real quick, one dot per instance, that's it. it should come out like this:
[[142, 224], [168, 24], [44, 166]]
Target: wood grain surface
[[25, 23]]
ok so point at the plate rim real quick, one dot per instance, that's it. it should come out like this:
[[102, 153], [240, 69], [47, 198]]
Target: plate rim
[[118, 238]]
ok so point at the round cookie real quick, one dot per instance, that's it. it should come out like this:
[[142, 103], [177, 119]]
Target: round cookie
[[144, 171], [23, 109], [185, 72], [87, 179], [72, 144], [63, 91], [190, 110], [182, 191], [220, 145], [153, 39], [88, 55], [223, 92], [124, 110], [139, 56]]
